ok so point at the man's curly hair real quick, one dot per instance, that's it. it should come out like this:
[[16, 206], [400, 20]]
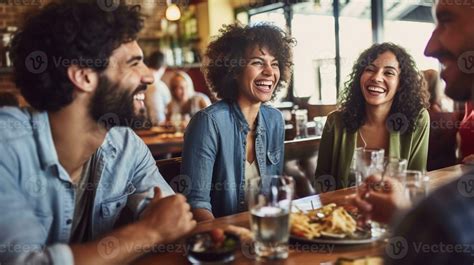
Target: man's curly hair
[[409, 100], [73, 32], [226, 56]]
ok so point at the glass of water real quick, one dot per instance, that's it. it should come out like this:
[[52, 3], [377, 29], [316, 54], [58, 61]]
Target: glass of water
[[368, 162], [416, 185], [270, 207], [396, 168]]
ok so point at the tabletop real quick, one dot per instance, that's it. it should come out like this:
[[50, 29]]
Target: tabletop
[[162, 142], [300, 252]]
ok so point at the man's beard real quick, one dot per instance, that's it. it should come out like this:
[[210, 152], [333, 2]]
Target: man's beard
[[113, 106]]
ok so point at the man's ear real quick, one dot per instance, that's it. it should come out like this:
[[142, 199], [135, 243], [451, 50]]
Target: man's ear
[[84, 79]]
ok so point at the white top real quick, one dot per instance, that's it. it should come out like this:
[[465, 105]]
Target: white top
[[156, 99], [251, 172]]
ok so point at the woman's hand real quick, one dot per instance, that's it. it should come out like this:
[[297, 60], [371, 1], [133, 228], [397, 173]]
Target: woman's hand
[[380, 200]]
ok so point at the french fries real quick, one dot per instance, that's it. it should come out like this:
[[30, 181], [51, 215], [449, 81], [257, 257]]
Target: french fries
[[330, 220]]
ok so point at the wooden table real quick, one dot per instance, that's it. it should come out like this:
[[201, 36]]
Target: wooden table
[[160, 145], [300, 253]]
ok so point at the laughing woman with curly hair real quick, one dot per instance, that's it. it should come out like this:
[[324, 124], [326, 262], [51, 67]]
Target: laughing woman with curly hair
[[383, 106], [239, 137]]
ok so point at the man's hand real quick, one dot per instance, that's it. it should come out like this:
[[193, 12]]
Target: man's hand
[[169, 217], [381, 199], [163, 221]]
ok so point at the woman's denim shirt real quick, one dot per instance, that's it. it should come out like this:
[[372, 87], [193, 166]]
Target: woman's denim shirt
[[214, 155]]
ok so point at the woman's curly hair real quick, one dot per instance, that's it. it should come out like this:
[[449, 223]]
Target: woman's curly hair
[[73, 32], [225, 56], [409, 100]]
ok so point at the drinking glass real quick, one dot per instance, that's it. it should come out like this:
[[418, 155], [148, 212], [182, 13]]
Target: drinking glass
[[416, 186], [368, 162], [301, 123], [395, 168], [270, 207]]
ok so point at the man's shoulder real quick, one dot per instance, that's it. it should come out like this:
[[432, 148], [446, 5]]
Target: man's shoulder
[[118, 136], [15, 123]]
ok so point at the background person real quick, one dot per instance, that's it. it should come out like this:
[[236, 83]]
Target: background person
[[157, 95], [185, 101]]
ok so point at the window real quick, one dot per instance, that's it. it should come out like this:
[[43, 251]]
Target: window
[[313, 26], [402, 17]]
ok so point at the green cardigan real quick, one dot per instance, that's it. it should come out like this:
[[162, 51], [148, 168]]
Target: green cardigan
[[337, 147]]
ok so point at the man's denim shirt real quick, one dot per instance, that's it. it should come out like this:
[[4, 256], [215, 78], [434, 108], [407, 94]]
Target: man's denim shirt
[[37, 196], [214, 155]]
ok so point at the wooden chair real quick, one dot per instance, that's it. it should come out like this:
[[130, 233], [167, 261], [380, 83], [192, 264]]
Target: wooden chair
[[170, 170]]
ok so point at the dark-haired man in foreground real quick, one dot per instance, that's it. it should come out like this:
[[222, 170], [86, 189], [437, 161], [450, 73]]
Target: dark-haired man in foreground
[[440, 230], [68, 169]]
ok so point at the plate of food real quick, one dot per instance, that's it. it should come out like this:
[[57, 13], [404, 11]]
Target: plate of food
[[215, 245], [332, 224]]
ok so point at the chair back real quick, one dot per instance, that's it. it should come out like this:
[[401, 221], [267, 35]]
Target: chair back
[[170, 170]]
